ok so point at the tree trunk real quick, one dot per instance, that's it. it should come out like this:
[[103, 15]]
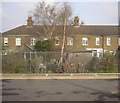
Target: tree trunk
[[63, 41]]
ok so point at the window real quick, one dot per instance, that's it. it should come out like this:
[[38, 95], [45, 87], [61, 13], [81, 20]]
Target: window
[[119, 41], [45, 38], [6, 41], [18, 41], [69, 41], [94, 53], [97, 41], [108, 41], [84, 41], [56, 41], [33, 41], [111, 52]]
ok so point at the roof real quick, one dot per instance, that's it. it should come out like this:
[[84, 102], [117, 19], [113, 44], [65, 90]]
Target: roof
[[70, 30], [25, 30]]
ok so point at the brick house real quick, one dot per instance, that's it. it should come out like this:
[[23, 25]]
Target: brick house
[[78, 37]]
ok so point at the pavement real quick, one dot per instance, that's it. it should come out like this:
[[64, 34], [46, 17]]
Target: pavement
[[62, 76]]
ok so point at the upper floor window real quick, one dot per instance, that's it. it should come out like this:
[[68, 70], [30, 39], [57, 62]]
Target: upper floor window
[[84, 41], [6, 41], [119, 41], [33, 41], [97, 41], [56, 41], [18, 41], [69, 41], [108, 41]]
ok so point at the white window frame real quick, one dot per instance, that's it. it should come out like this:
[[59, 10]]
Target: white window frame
[[108, 41], [85, 41], [18, 41], [119, 41], [56, 41], [45, 39], [33, 41], [97, 41], [5, 41], [69, 41]]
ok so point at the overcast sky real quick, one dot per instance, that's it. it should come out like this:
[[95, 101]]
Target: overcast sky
[[14, 13]]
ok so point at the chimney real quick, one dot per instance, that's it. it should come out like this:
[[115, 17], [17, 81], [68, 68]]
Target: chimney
[[76, 21], [29, 21]]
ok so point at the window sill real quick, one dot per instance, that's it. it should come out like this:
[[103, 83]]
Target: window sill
[[69, 45], [18, 45], [56, 44], [84, 45], [97, 44], [108, 45]]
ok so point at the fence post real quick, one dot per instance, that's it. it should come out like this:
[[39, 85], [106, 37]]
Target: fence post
[[25, 55], [30, 61]]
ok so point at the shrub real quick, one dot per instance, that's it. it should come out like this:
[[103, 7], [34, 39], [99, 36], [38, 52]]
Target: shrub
[[107, 64], [44, 46]]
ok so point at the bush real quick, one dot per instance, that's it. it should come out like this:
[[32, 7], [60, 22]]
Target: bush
[[44, 46], [118, 52], [14, 63], [107, 64], [92, 66]]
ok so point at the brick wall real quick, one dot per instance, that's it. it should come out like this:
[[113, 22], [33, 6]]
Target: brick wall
[[77, 43]]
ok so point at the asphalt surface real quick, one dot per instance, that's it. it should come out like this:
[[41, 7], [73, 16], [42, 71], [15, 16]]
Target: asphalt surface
[[60, 90]]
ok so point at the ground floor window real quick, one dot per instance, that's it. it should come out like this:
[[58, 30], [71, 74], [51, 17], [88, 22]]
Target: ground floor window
[[56, 41], [45, 38]]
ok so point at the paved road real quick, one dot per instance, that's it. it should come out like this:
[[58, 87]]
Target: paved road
[[60, 90]]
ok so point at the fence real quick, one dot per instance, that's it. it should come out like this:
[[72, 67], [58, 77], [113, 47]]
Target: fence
[[48, 62]]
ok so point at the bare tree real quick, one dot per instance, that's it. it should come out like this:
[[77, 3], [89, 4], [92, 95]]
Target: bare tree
[[45, 14], [51, 15], [65, 12]]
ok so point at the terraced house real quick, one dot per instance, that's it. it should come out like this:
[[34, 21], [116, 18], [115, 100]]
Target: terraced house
[[78, 37]]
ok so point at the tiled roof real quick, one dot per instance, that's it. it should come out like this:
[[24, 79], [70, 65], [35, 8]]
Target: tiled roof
[[70, 30], [24, 30]]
